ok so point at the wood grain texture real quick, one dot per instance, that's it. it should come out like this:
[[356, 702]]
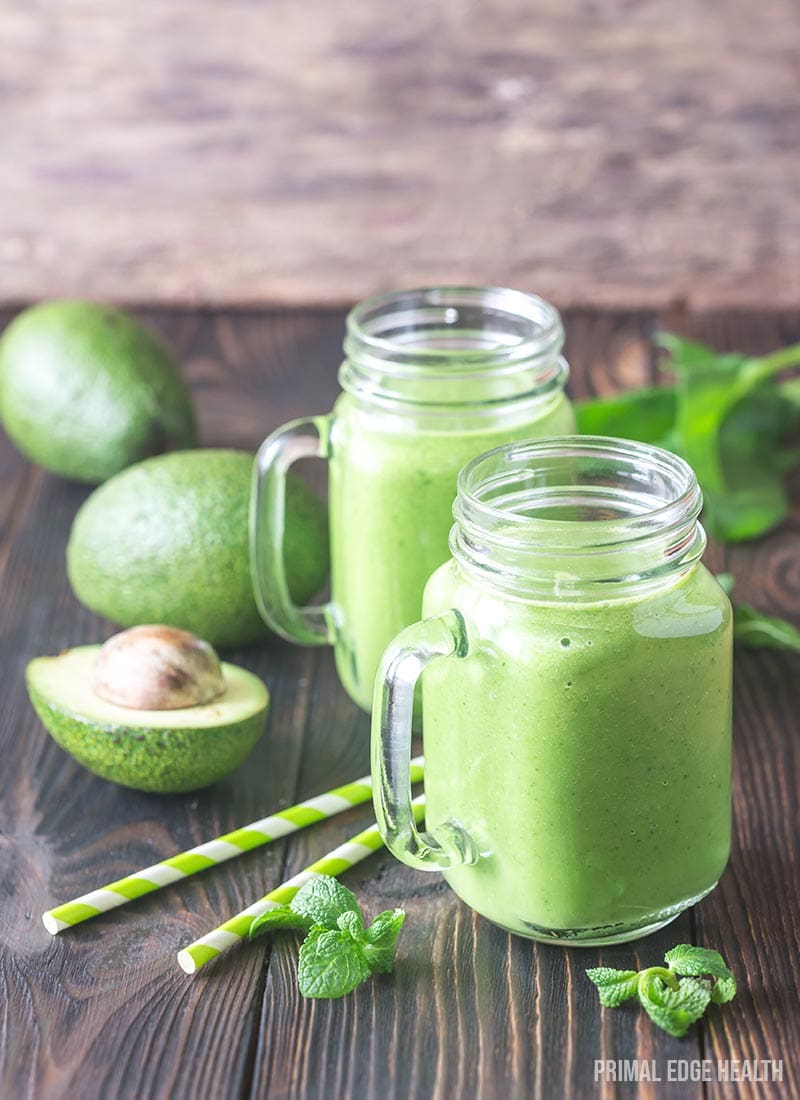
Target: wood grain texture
[[612, 153], [469, 1011]]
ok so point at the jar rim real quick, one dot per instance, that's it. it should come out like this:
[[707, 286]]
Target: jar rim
[[684, 505], [625, 520], [541, 334], [624, 523]]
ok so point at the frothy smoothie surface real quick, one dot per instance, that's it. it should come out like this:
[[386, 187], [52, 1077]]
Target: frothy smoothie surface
[[587, 750], [391, 498]]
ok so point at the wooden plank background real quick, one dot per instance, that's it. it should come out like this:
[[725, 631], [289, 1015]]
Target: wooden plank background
[[626, 152], [470, 1012]]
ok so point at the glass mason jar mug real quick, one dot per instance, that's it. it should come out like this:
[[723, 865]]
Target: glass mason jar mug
[[576, 684], [431, 379]]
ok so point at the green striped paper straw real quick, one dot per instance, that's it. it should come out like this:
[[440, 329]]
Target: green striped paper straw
[[223, 848], [233, 931]]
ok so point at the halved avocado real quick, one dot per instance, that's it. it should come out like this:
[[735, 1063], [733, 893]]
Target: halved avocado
[[150, 750]]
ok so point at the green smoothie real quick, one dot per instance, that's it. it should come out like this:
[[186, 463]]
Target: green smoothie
[[586, 748], [391, 495]]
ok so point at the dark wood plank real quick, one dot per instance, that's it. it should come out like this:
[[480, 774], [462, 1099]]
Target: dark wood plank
[[104, 1010], [615, 154]]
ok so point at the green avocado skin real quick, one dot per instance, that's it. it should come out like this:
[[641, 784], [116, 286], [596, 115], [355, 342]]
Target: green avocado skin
[[164, 761], [85, 390], [167, 541]]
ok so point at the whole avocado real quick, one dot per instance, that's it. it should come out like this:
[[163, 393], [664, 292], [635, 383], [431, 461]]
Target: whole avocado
[[167, 541], [85, 390]]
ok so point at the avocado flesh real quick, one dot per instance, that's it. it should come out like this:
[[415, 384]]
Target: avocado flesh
[[151, 750]]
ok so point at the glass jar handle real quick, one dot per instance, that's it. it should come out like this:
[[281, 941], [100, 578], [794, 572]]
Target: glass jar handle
[[307, 438], [449, 844]]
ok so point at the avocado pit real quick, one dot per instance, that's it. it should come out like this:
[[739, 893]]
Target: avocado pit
[[157, 668]]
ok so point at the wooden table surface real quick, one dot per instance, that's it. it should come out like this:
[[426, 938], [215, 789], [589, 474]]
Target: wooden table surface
[[628, 152], [104, 1011]]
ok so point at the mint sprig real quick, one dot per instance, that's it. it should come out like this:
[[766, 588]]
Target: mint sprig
[[339, 951], [730, 416], [675, 996]]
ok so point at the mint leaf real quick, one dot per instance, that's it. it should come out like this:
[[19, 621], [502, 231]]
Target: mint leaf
[[275, 920], [696, 961], [353, 924], [323, 900], [723, 990], [761, 432], [706, 393], [614, 986], [730, 426], [689, 356], [331, 963], [380, 939], [789, 392], [674, 1010], [751, 628], [646, 415], [686, 959]]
